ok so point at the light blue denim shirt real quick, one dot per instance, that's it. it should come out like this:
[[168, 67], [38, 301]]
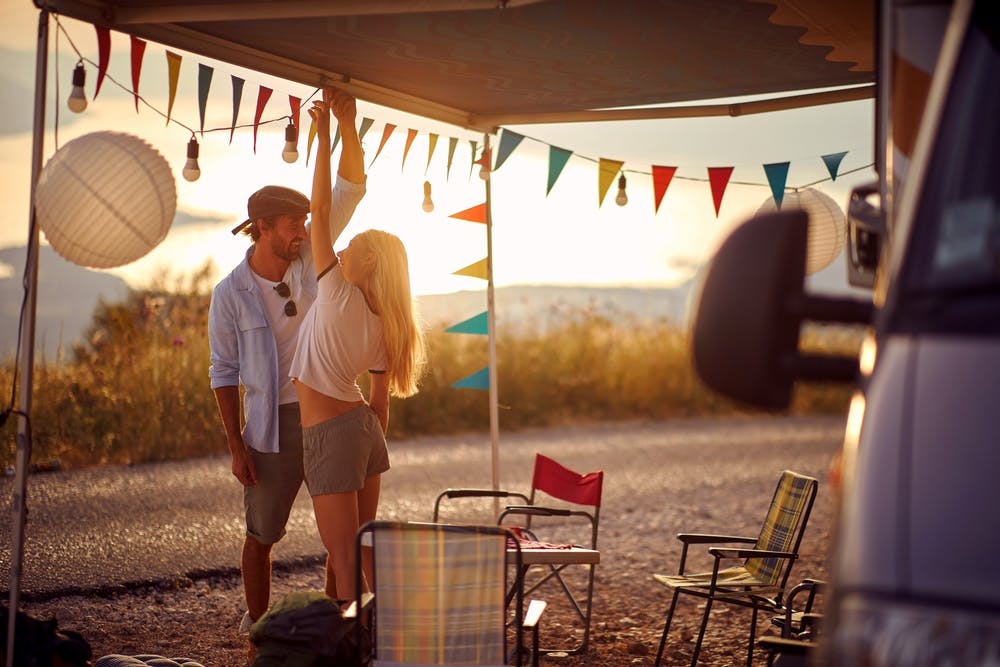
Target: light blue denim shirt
[[241, 343]]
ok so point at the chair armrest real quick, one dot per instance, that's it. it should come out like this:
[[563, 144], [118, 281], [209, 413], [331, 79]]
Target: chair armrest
[[452, 494], [352, 609], [777, 645], [533, 615], [721, 552], [704, 538]]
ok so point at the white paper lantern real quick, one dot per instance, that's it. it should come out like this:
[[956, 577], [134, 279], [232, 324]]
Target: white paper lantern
[[105, 199], [827, 225]]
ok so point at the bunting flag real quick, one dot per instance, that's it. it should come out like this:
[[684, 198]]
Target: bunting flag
[[452, 143], [477, 324], [312, 136], [473, 145], [410, 136], [474, 270], [473, 214], [508, 142], [103, 55], [386, 133], [478, 380], [777, 176], [832, 162], [173, 75], [336, 139], [204, 84], [237, 98], [295, 106], [558, 157], [607, 170], [718, 178], [263, 95], [661, 181], [366, 124], [432, 140], [138, 49]]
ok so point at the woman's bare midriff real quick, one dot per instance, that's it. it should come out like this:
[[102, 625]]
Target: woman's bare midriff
[[316, 407]]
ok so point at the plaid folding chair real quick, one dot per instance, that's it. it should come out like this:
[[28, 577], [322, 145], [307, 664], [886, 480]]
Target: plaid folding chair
[[760, 581], [439, 595]]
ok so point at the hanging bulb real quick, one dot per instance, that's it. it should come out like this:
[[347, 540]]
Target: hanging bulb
[[484, 171], [77, 101], [191, 169], [428, 205], [291, 152], [622, 198]]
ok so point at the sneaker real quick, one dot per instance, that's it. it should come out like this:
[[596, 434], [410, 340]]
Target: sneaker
[[245, 623]]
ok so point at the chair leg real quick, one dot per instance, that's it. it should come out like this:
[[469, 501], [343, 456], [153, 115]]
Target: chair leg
[[701, 632], [666, 629], [753, 636]]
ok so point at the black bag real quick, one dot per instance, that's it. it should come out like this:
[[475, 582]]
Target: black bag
[[307, 629]]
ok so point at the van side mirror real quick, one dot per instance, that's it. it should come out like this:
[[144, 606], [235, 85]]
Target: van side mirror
[[745, 330], [865, 231]]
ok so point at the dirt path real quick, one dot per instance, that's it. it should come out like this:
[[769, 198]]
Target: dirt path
[[660, 478]]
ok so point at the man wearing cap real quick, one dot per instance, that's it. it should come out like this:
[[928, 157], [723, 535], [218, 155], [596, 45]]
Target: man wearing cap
[[253, 324]]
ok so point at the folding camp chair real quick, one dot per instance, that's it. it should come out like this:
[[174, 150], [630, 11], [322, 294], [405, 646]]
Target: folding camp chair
[[799, 624], [439, 595], [759, 582], [578, 503]]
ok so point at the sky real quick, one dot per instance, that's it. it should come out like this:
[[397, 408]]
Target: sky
[[564, 237]]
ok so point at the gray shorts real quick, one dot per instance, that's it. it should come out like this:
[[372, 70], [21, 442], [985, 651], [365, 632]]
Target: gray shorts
[[279, 476], [340, 453]]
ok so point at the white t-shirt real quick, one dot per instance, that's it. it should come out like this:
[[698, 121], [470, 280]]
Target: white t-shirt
[[285, 328], [340, 338]]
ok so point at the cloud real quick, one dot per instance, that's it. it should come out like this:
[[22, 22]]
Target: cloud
[[184, 219]]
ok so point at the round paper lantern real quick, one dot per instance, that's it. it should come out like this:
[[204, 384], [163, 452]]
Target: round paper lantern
[[105, 199], [827, 225]]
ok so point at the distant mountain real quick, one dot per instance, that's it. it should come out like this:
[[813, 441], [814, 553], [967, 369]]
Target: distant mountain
[[67, 295]]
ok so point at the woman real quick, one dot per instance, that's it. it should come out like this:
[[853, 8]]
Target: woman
[[362, 321]]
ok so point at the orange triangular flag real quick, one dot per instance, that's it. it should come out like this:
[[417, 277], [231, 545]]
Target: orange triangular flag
[[410, 136], [474, 270], [607, 170], [474, 214], [386, 133], [661, 181], [718, 178], [173, 74]]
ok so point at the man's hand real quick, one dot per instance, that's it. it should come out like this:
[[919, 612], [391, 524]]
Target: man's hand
[[243, 468], [342, 104]]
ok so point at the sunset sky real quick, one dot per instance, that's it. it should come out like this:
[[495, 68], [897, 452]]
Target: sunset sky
[[562, 238]]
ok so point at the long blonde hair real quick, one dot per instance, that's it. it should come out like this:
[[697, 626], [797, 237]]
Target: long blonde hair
[[388, 287]]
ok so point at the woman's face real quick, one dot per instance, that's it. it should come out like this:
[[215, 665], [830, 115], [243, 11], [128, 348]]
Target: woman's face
[[356, 260]]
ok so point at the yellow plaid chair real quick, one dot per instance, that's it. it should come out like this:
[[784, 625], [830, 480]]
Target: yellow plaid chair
[[759, 581], [439, 595]]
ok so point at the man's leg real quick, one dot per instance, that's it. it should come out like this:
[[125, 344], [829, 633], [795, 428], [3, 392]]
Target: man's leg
[[256, 571]]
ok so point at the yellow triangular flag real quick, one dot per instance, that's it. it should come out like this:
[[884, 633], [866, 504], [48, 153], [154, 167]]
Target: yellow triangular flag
[[173, 74], [474, 270], [607, 171]]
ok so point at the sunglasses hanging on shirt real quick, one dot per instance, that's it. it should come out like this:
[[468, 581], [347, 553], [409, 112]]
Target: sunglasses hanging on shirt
[[285, 293]]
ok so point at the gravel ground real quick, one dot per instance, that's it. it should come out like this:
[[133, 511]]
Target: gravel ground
[[691, 489]]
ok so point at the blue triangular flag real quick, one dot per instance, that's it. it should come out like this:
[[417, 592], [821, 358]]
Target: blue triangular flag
[[777, 175], [478, 380], [833, 163], [508, 142], [477, 324], [557, 160]]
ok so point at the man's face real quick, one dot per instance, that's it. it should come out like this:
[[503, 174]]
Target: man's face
[[285, 237]]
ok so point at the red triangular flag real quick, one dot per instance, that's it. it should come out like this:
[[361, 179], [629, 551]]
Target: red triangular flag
[[718, 177], [103, 55], [295, 104], [263, 95], [661, 181], [474, 214], [138, 48]]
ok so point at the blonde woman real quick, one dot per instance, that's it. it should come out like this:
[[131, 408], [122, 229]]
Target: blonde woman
[[362, 321]]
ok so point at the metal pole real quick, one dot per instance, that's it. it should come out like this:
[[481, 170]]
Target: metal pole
[[491, 331], [26, 351]]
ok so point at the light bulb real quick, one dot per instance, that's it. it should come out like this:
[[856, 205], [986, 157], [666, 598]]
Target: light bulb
[[291, 152], [191, 169], [484, 172], [77, 101], [622, 198], [428, 205]]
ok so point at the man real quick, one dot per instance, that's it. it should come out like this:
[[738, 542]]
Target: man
[[253, 324]]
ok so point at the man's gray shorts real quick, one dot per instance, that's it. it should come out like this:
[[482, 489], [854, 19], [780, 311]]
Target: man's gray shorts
[[340, 453], [279, 476]]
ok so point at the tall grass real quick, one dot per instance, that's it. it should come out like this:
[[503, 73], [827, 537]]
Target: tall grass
[[137, 390]]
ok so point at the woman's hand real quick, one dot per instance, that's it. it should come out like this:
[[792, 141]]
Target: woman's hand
[[320, 114]]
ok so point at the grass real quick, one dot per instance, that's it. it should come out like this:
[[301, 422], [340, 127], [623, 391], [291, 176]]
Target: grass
[[137, 390]]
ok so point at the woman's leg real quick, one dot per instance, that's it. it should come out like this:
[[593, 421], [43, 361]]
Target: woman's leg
[[367, 508], [337, 519]]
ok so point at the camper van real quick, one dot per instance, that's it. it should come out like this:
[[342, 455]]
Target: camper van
[[913, 568]]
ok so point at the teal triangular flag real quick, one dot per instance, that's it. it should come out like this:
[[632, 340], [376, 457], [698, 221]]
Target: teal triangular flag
[[452, 142], [557, 160], [204, 83], [237, 97], [508, 142], [473, 145], [336, 139], [833, 163], [477, 324], [777, 175], [478, 380], [365, 124]]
